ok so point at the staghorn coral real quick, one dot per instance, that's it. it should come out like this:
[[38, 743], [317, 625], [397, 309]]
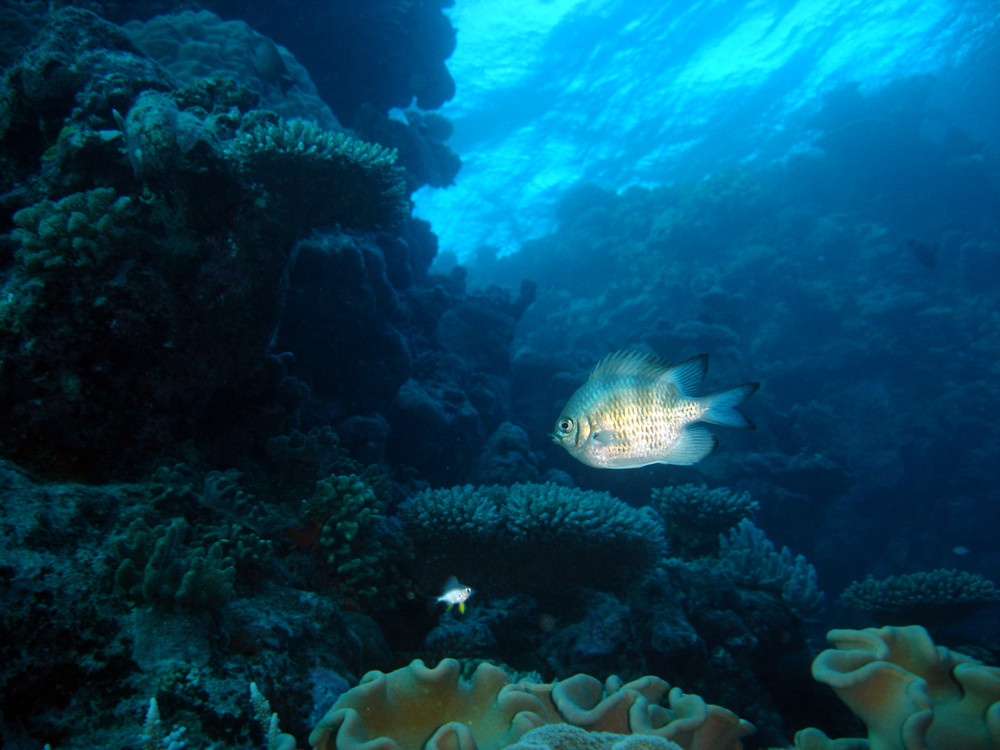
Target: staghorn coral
[[911, 694], [539, 535], [419, 707], [694, 516], [934, 597], [750, 558], [322, 177]]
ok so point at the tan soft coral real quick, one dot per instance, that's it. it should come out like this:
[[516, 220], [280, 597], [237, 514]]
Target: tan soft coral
[[911, 694], [417, 707]]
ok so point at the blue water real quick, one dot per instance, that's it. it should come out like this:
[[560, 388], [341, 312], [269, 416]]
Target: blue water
[[623, 93], [294, 293]]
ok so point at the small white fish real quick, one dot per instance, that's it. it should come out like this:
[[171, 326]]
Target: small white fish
[[962, 550], [455, 593]]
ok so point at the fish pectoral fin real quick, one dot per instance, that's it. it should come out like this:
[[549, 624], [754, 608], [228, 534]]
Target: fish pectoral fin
[[695, 443], [607, 438]]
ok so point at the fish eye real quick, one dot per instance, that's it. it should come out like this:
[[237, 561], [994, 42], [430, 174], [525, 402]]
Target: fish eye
[[565, 425]]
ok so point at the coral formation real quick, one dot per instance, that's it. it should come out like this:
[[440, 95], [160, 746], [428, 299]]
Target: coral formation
[[350, 268], [933, 597], [357, 542], [694, 516], [538, 535], [911, 694], [158, 565], [750, 558], [568, 737], [420, 707], [194, 45], [322, 177], [84, 232]]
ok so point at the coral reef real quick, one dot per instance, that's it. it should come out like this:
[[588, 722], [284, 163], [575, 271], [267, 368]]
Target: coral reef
[[350, 268], [322, 177], [694, 516], [386, 53], [750, 558], [194, 45], [85, 232], [568, 737], [910, 693], [154, 228], [933, 597], [361, 547], [537, 535], [155, 567], [417, 707]]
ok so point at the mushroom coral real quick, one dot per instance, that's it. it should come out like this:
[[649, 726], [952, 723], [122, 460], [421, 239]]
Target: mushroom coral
[[911, 694], [417, 707]]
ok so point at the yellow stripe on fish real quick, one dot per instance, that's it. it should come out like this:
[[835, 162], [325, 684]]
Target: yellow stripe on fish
[[637, 409]]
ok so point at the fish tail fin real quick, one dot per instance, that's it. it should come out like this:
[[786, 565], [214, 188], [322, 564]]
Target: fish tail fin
[[721, 408]]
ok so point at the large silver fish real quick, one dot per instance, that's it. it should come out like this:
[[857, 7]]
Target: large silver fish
[[636, 409]]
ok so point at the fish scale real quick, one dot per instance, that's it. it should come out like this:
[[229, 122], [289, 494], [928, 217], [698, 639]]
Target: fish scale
[[636, 410]]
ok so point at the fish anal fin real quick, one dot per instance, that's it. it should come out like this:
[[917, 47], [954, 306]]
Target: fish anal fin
[[695, 443]]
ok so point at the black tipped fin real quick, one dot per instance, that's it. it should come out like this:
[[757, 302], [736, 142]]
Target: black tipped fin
[[721, 407]]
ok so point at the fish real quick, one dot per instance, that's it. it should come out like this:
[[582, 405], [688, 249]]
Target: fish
[[270, 66], [455, 593], [637, 409]]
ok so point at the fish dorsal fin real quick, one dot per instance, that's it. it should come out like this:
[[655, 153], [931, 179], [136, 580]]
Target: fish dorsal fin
[[686, 376], [451, 584]]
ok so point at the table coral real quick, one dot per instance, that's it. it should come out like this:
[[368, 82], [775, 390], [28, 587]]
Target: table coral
[[323, 177], [418, 708], [911, 694], [694, 516], [538, 535], [935, 597]]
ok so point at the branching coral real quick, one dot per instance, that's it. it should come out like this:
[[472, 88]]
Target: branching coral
[[751, 559], [159, 565], [911, 694], [323, 177], [361, 549], [417, 708], [83, 230], [695, 516], [537, 535], [933, 597]]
